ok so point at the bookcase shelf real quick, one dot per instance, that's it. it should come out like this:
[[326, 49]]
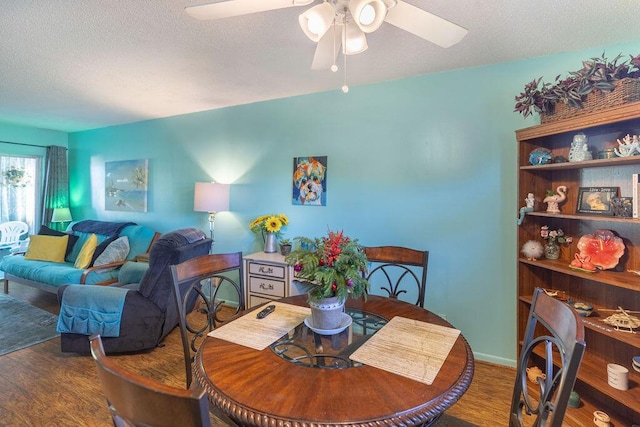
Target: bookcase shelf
[[605, 290]]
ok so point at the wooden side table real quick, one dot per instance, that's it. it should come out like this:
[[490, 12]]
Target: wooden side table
[[268, 277]]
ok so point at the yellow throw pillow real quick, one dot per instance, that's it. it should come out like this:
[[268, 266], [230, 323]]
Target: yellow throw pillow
[[86, 253], [47, 248]]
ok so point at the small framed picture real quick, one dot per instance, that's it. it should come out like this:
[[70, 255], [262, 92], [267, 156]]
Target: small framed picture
[[622, 206], [596, 200]]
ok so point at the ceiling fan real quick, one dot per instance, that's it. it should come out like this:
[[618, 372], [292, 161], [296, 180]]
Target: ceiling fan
[[343, 23]]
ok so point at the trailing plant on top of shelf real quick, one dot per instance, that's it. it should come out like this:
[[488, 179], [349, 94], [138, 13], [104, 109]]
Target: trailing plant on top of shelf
[[596, 74]]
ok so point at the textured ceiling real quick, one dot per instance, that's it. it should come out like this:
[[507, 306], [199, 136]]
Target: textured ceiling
[[80, 64]]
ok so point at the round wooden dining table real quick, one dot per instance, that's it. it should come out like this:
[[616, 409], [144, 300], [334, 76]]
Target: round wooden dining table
[[262, 388]]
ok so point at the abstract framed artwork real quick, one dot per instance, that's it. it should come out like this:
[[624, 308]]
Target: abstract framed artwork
[[126, 185], [310, 181]]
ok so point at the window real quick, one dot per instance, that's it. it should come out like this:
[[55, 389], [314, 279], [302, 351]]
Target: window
[[19, 185]]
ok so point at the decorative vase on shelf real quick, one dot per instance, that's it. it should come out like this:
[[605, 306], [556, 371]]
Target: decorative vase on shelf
[[552, 250], [327, 313], [270, 245]]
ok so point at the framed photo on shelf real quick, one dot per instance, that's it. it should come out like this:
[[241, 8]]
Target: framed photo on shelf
[[596, 200]]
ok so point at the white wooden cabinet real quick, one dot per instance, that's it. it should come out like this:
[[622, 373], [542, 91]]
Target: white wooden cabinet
[[268, 277]]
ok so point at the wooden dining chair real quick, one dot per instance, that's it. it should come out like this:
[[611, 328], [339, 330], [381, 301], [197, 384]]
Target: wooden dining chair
[[138, 401], [553, 339], [208, 291], [397, 270]]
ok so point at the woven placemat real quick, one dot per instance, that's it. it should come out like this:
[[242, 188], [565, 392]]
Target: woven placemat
[[260, 333], [408, 347]]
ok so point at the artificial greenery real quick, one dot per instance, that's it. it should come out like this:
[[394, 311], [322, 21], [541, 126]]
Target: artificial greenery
[[596, 74], [332, 266]]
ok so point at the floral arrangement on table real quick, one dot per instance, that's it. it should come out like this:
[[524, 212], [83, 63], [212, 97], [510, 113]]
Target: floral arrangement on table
[[553, 236], [332, 265], [596, 74], [272, 223], [16, 177]]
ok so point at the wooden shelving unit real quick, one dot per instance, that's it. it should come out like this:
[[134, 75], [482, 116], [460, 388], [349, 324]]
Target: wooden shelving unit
[[606, 290]]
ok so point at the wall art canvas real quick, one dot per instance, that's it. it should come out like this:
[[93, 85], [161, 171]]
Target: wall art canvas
[[126, 184], [310, 181]]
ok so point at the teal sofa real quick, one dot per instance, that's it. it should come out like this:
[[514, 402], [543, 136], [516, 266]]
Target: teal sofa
[[49, 276]]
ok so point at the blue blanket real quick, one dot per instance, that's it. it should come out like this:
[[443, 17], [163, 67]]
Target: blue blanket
[[91, 309], [104, 228]]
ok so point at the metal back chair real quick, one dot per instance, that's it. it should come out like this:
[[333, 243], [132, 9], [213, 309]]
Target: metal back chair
[[11, 232], [138, 401], [395, 268], [554, 330], [202, 287]]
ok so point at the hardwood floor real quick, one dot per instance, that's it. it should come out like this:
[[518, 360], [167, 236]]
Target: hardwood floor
[[41, 386]]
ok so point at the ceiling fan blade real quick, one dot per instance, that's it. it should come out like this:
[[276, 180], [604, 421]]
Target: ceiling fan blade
[[328, 48], [425, 25], [229, 8]]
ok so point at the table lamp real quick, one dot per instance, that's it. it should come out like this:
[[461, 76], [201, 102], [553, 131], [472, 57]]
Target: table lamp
[[212, 198], [61, 215]]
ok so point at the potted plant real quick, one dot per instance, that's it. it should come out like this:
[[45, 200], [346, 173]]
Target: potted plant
[[554, 238], [596, 74], [332, 266], [270, 228], [16, 177], [285, 246]]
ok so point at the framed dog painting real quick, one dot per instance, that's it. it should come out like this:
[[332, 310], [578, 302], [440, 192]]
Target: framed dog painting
[[310, 181]]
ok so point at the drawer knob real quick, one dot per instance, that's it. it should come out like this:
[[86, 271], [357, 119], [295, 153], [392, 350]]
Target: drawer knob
[[266, 287], [266, 270]]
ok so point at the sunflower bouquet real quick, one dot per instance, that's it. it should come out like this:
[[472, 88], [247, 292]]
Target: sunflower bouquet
[[272, 223]]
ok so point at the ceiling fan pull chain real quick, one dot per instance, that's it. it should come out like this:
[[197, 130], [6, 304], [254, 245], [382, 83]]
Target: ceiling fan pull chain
[[334, 67], [345, 88]]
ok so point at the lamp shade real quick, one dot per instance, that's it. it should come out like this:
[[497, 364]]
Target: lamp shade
[[315, 22], [368, 14], [211, 197], [61, 215], [355, 39]]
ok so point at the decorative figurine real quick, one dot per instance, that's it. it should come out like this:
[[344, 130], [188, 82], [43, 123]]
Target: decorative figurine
[[533, 250], [579, 150], [533, 373], [529, 202], [553, 200], [622, 320], [629, 146], [540, 156]]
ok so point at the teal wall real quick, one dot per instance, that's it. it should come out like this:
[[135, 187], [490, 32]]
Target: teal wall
[[26, 135], [427, 162]]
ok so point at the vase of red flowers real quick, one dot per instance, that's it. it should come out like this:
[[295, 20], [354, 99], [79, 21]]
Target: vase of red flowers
[[332, 268]]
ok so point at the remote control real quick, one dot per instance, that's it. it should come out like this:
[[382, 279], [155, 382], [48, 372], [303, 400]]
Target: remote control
[[264, 313]]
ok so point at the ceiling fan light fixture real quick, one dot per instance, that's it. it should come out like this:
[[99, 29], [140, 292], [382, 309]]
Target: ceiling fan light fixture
[[355, 39], [368, 14], [316, 21], [390, 3]]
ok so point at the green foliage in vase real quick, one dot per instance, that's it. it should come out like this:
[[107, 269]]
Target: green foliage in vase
[[331, 266]]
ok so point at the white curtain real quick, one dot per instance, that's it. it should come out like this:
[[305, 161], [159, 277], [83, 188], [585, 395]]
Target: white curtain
[[18, 183]]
